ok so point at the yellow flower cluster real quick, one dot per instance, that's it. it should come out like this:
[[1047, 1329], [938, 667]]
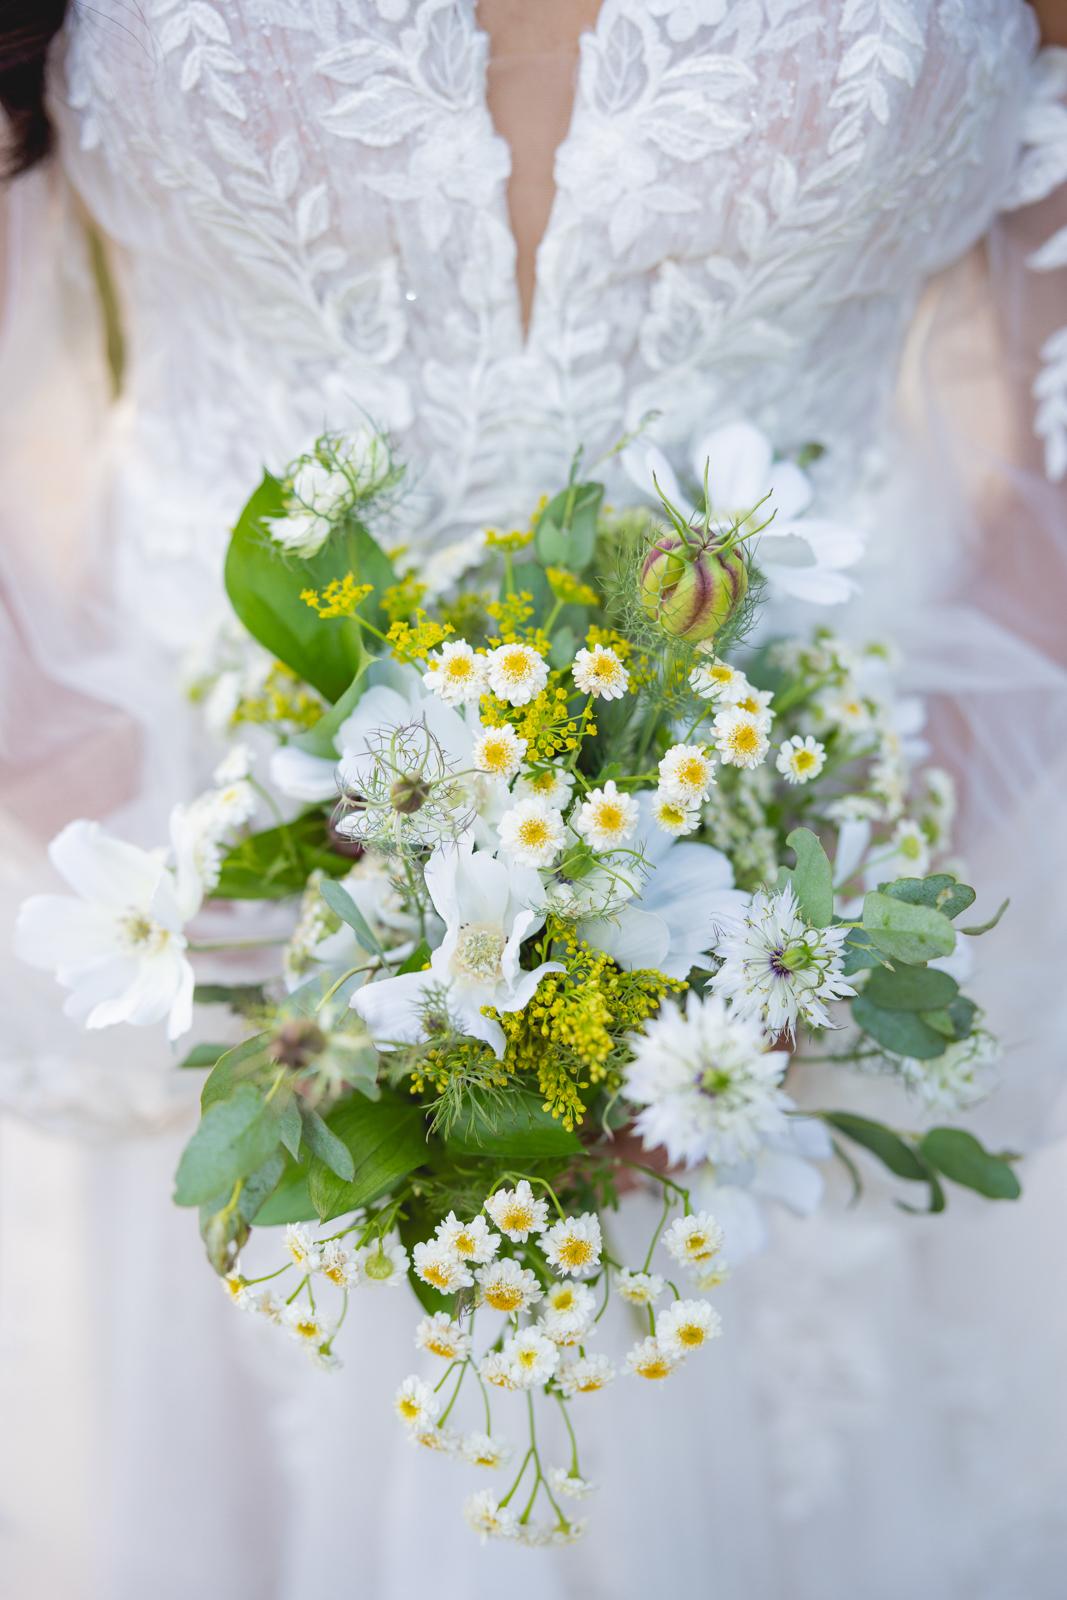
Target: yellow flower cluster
[[544, 723], [641, 669], [509, 615], [415, 643], [401, 601], [340, 597], [506, 544], [569, 588], [284, 702]]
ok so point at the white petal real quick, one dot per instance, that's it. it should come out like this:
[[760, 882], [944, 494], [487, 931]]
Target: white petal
[[156, 984], [791, 490], [96, 986], [523, 992], [832, 544], [790, 1180], [740, 1217], [55, 930], [634, 939], [738, 458], [852, 841], [304, 777], [646, 465], [378, 711], [99, 867], [812, 584], [392, 1008], [188, 887]]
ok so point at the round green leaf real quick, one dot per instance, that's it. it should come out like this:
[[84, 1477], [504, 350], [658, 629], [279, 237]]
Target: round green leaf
[[902, 1032], [906, 932], [962, 1158], [910, 989]]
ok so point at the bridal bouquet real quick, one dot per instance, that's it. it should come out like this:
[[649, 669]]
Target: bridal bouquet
[[578, 872]]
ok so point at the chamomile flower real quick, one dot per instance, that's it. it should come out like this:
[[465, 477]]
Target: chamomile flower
[[564, 1481], [442, 1336], [714, 679], [237, 1289], [471, 1241], [416, 1404], [517, 673], [650, 1359], [440, 1267], [607, 819], [381, 1266], [755, 703], [569, 1307], [672, 815], [911, 852], [517, 1213], [488, 1519], [485, 1450], [686, 1325], [739, 738], [585, 1376], [705, 1275], [778, 969], [687, 772], [799, 760], [552, 784], [495, 1368], [335, 1265], [573, 1245], [600, 672], [300, 1243], [508, 1287], [639, 1288], [694, 1240], [268, 1303], [533, 1357], [306, 1324], [532, 833], [457, 675], [499, 752], [843, 708], [446, 1441], [235, 765]]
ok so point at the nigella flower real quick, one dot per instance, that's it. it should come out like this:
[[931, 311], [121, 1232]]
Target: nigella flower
[[776, 967], [707, 1081]]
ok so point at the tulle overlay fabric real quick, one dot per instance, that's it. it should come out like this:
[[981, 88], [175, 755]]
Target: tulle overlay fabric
[[762, 212]]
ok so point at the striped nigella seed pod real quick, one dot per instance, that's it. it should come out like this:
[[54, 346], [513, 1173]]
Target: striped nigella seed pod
[[691, 588]]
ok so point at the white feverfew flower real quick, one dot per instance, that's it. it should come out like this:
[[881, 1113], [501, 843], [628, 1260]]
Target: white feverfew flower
[[237, 1289], [306, 1324], [300, 1243], [416, 1404], [706, 1275], [958, 1079], [844, 708], [573, 1245], [687, 772], [485, 1450], [268, 1303], [499, 752], [517, 673], [445, 1441], [739, 738], [440, 1267], [707, 1082], [713, 679], [673, 816], [457, 676], [443, 1336], [607, 818], [488, 1519], [694, 1240], [755, 703], [564, 1481], [533, 1357], [471, 1241], [508, 1287], [585, 1376], [381, 1266], [532, 833], [639, 1288], [799, 760], [776, 967], [495, 1368], [569, 1307], [911, 852], [600, 672], [553, 784], [517, 1212], [686, 1325], [650, 1359], [235, 765], [335, 1266]]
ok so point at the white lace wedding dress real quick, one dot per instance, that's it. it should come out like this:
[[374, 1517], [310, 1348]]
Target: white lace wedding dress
[[306, 209]]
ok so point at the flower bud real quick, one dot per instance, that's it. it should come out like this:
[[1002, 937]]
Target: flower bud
[[297, 1042], [692, 585], [409, 793]]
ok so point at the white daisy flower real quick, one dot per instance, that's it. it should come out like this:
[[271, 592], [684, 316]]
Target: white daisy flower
[[517, 1213], [650, 1359], [416, 1404], [911, 857], [471, 1241], [607, 818], [714, 679], [485, 1450], [564, 1481], [495, 1368], [569, 1306], [323, 1358], [508, 1287], [552, 784], [235, 765], [799, 760], [335, 1265], [488, 1519], [532, 833], [776, 967], [301, 1245], [694, 1240], [237, 1289], [381, 1266], [686, 1325], [585, 1375], [570, 1532], [517, 673], [958, 1079], [844, 709], [755, 703], [533, 1357], [739, 738], [268, 1303], [673, 816], [457, 675], [446, 1441], [499, 752], [600, 672], [443, 1336], [440, 1267], [306, 1324], [639, 1288], [705, 1275], [687, 772], [573, 1245]]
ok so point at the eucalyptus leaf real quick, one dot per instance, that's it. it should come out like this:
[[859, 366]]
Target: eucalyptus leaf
[[961, 1157], [324, 1143], [902, 1032], [941, 1021], [417, 961], [386, 1140], [881, 1141], [940, 891], [962, 1013], [812, 878], [260, 1185], [287, 1112], [290, 1201], [242, 1059], [564, 645], [984, 927], [910, 988], [566, 528], [340, 901], [235, 1137], [859, 953], [905, 931], [205, 1055], [519, 1126], [278, 861]]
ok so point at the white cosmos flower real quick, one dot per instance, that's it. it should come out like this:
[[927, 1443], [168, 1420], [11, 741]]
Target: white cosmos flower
[[119, 947], [800, 760], [740, 738], [639, 1288], [416, 1404], [488, 909], [686, 1325], [440, 1267], [776, 967], [488, 1519], [508, 1287], [573, 1244], [533, 1357], [694, 1240], [517, 1212], [673, 816], [532, 833], [517, 673], [499, 752], [599, 672], [585, 1376], [607, 818], [456, 674], [652, 1360], [471, 1241], [564, 1481], [442, 1336], [553, 784], [687, 772], [707, 1082], [485, 1450]]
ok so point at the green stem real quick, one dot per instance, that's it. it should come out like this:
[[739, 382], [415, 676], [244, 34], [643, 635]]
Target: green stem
[[518, 1480], [574, 1443], [667, 1203], [455, 1392]]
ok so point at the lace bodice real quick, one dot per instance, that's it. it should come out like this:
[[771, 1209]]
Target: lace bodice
[[310, 203]]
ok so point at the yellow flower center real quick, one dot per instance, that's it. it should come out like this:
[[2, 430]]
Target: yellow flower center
[[693, 773], [605, 668], [803, 759], [749, 705], [140, 932], [692, 1335], [308, 1329], [562, 1299], [459, 667], [909, 846], [671, 814], [439, 1276], [504, 1297], [527, 1358], [696, 1246], [464, 1244], [516, 1219], [535, 833], [408, 1408], [515, 665], [544, 783], [610, 817], [656, 1368], [576, 1252], [441, 1347], [721, 674], [745, 740], [478, 952], [587, 1385], [496, 755], [335, 1273]]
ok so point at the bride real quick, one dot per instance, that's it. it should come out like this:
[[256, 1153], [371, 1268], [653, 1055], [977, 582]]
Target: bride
[[502, 231]]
